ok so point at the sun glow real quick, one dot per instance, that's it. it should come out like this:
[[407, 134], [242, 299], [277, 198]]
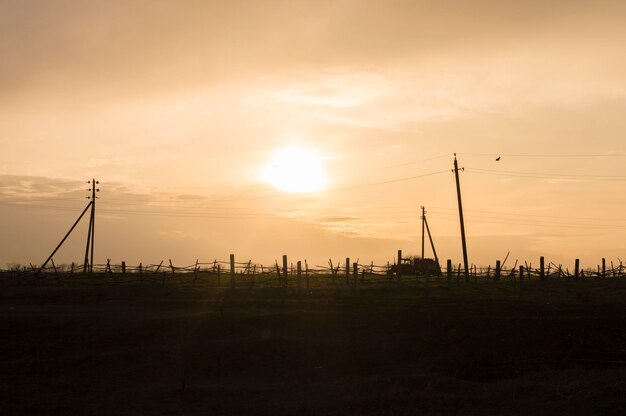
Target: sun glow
[[295, 169]]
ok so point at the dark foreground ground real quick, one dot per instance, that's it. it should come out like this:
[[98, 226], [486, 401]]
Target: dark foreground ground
[[469, 349]]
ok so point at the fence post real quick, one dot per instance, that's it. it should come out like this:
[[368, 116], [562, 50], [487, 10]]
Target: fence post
[[123, 267], [521, 276], [140, 272], [498, 269], [399, 270], [347, 271], [306, 274], [355, 272], [449, 271], [219, 275], [232, 271], [576, 269], [603, 267], [299, 271], [542, 268], [285, 271]]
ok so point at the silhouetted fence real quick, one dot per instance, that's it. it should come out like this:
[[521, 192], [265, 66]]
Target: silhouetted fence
[[301, 275]]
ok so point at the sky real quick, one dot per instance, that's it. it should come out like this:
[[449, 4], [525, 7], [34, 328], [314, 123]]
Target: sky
[[180, 108]]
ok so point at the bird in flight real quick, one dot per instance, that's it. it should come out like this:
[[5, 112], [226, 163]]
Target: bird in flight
[[498, 159]]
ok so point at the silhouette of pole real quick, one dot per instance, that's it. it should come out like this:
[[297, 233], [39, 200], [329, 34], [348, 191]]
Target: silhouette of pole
[[458, 194], [423, 221], [64, 238], [88, 263], [93, 219], [432, 245]]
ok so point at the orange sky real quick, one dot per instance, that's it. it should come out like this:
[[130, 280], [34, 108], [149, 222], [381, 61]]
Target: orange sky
[[177, 107]]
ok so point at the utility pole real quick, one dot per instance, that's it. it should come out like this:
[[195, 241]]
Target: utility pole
[[92, 227], [458, 194], [90, 234], [423, 221], [430, 238], [432, 245]]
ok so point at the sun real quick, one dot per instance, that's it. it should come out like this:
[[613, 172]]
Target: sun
[[295, 169]]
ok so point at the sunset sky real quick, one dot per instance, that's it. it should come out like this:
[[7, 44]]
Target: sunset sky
[[188, 113]]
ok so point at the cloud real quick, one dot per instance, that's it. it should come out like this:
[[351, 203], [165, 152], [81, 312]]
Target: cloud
[[20, 186], [336, 219], [79, 48]]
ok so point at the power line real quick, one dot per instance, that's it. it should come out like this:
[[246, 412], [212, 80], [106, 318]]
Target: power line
[[539, 222], [408, 178], [492, 213], [546, 155], [180, 213], [586, 175], [543, 174], [209, 212]]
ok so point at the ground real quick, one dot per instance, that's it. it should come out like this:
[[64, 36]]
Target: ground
[[458, 348]]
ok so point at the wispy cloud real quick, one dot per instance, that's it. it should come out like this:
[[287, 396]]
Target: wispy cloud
[[25, 186]]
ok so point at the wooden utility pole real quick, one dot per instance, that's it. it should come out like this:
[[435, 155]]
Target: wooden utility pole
[[423, 221], [458, 194], [91, 233], [432, 245]]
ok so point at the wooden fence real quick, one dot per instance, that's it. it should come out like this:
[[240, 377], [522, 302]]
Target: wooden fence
[[300, 275]]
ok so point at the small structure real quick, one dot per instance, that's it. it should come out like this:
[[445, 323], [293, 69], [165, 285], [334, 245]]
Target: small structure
[[415, 266]]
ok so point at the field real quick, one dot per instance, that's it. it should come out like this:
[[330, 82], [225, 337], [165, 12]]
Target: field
[[436, 348]]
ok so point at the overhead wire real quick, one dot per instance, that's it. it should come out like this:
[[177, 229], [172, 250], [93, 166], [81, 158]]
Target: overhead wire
[[408, 178], [544, 155], [147, 213], [523, 214], [546, 175], [494, 217]]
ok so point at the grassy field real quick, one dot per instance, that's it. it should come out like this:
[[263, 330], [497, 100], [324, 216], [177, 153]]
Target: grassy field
[[468, 348]]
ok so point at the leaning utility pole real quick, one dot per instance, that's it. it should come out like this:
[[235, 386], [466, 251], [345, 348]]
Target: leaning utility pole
[[432, 245], [430, 238], [91, 236], [458, 194], [423, 220]]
